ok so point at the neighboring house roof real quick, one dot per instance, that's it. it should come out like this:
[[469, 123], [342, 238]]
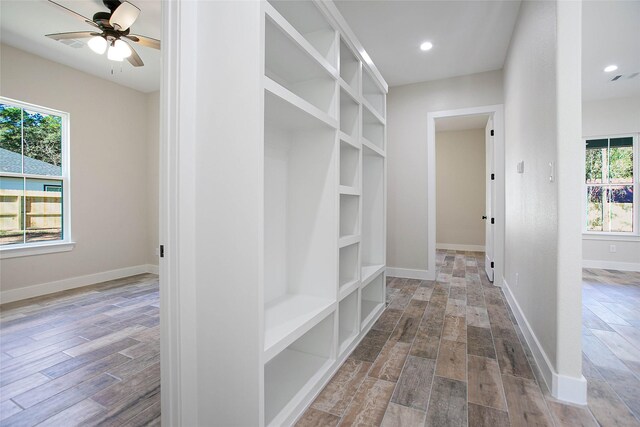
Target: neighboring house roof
[[12, 162]]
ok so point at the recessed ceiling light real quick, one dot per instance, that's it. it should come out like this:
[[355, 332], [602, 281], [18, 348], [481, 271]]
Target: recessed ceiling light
[[610, 68], [426, 46]]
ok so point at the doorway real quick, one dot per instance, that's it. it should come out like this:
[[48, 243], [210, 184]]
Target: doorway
[[488, 121]]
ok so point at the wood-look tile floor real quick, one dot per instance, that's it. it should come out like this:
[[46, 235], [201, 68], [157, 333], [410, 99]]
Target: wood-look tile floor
[[447, 353], [84, 357]]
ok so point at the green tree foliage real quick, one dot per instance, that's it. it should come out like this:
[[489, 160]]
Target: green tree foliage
[[42, 134], [621, 164], [593, 165]]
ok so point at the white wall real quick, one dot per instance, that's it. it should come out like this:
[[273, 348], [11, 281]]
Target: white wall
[[110, 178], [153, 178], [460, 187], [542, 241], [407, 108], [611, 117]]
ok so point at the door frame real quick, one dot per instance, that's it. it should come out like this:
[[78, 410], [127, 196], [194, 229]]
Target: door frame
[[497, 112]]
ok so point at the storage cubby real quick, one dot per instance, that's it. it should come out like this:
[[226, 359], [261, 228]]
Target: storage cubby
[[292, 67], [290, 375], [349, 165], [305, 17], [373, 94], [349, 66], [372, 128], [372, 297], [348, 327], [349, 214], [349, 263], [299, 219], [373, 238], [349, 109]]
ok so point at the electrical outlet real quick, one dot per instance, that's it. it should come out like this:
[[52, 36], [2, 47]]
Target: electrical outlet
[[613, 249]]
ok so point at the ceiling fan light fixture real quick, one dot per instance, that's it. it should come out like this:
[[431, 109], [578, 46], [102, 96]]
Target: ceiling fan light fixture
[[98, 44], [113, 54], [118, 51]]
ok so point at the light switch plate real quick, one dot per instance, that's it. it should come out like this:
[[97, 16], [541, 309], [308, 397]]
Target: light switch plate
[[520, 166]]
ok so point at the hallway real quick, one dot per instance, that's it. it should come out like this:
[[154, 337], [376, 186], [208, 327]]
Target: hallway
[[444, 353]]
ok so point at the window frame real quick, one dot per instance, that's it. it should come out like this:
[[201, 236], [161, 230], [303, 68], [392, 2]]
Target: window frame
[[621, 235], [66, 243]]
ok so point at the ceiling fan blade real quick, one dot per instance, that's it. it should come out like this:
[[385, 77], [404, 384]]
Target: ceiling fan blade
[[124, 16], [74, 35], [134, 58], [144, 41], [75, 14]]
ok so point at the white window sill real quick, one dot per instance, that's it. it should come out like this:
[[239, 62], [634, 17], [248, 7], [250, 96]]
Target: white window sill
[[16, 251], [611, 236]]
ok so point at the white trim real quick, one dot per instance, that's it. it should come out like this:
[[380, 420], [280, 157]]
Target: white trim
[[19, 294], [35, 249], [456, 247], [611, 237], [406, 273], [565, 388], [611, 265], [497, 111]]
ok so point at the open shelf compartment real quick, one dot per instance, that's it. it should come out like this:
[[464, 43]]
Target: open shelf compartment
[[349, 110], [292, 67], [373, 94], [349, 263], [349, 67], [307, 19], [372, 298], [372, 230], [349, 218], [349, 165], [290, 375], [348, 321], [299, 221], [372, 128]]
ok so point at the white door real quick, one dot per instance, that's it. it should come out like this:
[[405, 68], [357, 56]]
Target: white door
[[489, 211]]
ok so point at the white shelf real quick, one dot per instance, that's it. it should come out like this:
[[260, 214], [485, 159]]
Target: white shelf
[[349, 114], [347, 288], [291, 66], [373, 111], [349, 167], [348, 324], [373, 94], [349, 140], [349, 262], [369, 272], [349, 191], [289, 111], [349, 67], [372, 129], [349, 90], [371, 147], [372, 297], [293, 373], [348, 240], [304, 18], [290, 316], [349, 215]]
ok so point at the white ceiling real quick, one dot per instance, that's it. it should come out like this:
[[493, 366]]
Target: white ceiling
[[610, 35], [477, 121], [24, 23], [468, 36]]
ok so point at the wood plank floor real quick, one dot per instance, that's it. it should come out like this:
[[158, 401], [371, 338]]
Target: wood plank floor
[[450, 353], [83, 357]]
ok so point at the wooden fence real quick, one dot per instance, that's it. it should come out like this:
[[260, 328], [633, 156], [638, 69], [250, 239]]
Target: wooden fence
[[42, 210]]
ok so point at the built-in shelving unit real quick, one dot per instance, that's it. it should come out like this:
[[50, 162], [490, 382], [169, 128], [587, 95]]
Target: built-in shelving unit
[[324, 202]]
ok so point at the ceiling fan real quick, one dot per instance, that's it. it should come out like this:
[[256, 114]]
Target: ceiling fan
[[112, 28]]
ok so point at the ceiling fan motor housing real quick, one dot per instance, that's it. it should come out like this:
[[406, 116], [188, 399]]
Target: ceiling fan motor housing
[[111, 4]]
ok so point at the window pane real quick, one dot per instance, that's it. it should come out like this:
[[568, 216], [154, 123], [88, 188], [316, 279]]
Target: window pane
[[593, 165], [620, 209], [11, 208], [43, 210], [621, 165], [42, 144], [595, 205], [10, 139]]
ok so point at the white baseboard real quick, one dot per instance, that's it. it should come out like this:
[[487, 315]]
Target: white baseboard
[[456, 247], [611, 265], [562, 387], [406, 273], [12, 295]]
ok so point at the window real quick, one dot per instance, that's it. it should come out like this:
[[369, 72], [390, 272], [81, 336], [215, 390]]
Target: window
[[34, 178], [611, 185]]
